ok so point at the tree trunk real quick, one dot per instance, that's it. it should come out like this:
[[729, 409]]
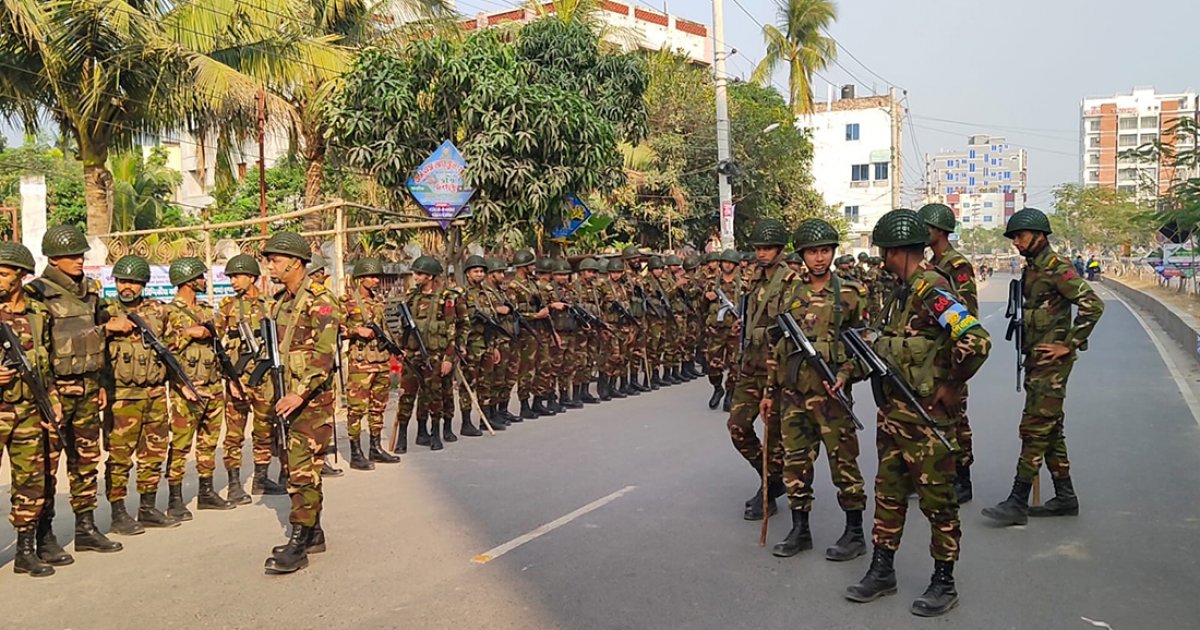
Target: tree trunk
[[97, 186], [314, 175]]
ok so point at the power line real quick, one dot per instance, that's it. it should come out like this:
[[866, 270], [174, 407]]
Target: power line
[[842, 47]]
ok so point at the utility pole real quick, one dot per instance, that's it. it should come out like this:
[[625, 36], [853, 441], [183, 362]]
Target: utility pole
[[894, 104], [723, 151], [262, 161], [928, 180]]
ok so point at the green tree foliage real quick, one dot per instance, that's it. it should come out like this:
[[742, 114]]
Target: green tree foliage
[[1179, 208], [798, 42], [983, 241], [142, 190], [64, 182], [1090, 217]]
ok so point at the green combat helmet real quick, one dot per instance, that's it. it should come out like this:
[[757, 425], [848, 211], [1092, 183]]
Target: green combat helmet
[[708, 257], [562, 266], [496, 264], [730, 256], [288, 244], [241, 264], [1030, 219], [18, 256], [130, 268], [369, 266], [588, 264], [64, 240], [615, 265], [769, 233], [815, 233], [427, 265], [899, 228], [523, 258], [939, 216], [674, 261], [655, 262], [795, 257], [862, 256], [185, 270], [474, 261], [748, 257], [545, 265], [691, 262], [631, 251]]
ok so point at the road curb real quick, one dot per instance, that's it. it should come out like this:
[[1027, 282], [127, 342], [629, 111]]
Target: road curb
[[1182, 328]]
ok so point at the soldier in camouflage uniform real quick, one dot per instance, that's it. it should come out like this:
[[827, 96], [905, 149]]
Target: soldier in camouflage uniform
[[436, 317], [564, 361], [823, 305], [305, 316], [935, 345], [140, 423], [691, 291], [318, 272], [551, 351], [24, 432], [247, 305], [78, 330], [369, 378], [1050, 285], [504, 373], [614, 296], [675, 333], [722, 350], [587, 291], [532, 343], [452, 294], [942, 222], [637, 353], [752, 393], [188, 334], [795, 262], [661, 321], [481, 356]]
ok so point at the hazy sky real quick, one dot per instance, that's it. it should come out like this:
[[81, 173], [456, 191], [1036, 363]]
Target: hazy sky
[[1012, 68]]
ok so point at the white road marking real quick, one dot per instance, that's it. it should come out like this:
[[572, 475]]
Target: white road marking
[[496, 552], [1176, 374]]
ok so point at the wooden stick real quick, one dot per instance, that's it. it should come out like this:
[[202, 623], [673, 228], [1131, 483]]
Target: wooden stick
[[1037, 487], [475, 401], [766, 449]]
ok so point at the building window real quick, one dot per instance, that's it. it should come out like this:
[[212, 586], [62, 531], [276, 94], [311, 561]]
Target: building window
[[971, 154], [1093, 141], [851, 213], [1125, 141], [1093, 125], [881, 170], [949, 177], [852, 132], [949, 163], [1149, 122], [966, 218], [859, 172], [1130, 189], [949, 190], [971, 167], [1007, 174], [1007, 188], [1127, 123], [987, 204], [987, 218], [1149, 137], [1093, 175], [971, 182]]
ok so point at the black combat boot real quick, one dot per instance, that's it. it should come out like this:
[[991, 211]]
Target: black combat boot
[[880, 579], [498, 420], [435, 437], [554, 404], [634, 387], [754, 506], [448, 429], [539, 407], [1015, 509], [714, 401], [422, 431], [645, 385], [293, 556], [527, 413], [941, 595], [122, 522], [377, 454], [401, 440], [602, 390], [507, 416], [175, 507], [1064, 503], [359, 461], [260, 483], [962, 485], [47, 545], [676, 377], [567, 401], [797, 540], [329, 471], [689, 371], [618, 387], [208, 499], [727, 404], [27, 560], [853, 543], [585, 395], [234, 492], [88, 538], [314, 544], [653, 380], [149, 516], [468, 428]]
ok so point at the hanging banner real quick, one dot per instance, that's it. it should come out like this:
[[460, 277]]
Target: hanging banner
[[577, 214], [439, 184]]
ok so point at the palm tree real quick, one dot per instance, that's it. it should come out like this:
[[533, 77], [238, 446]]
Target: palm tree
[[799, 42], [141, 189], [109, 71]]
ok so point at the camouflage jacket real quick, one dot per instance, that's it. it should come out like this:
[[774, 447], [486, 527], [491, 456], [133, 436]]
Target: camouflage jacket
[[31, 324], [1051, 286], [235, 309], [526, 296], [474, 300], [136, 369], [563, 320], [613, 291], [77, 334], [962, 277], [308, 328], [439, 322], [587, 295], [358, 310], [822, 315], [931, 339], [767, 292], [658, 289], [733, 287], [197, 356], [497, 295]]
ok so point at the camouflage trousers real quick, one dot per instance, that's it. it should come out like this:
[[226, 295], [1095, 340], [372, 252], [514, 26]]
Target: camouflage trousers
[[912, 459], [195, 421], [308, 436], [550, 355], [722, 357], [80, 436], [420, 393], [447, 402], [674, 340], [743, 411], [655, 331], [504, 373], [140, 429], [614, 344], [637, 352], [590, 365], [807, 422], [966, 437], [528, 351], [366, 400], [23, 435], [237, 416], [1043, 423], [479, 371]]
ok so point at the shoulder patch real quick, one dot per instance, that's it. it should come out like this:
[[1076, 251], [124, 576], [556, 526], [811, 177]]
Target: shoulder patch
[[325, 310], [952, 314], [1069, 274], [963, 277]]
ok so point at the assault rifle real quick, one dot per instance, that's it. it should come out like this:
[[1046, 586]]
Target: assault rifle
[[538, 304], [586, 319], [250, 347], [174, 368], [624, 313], [806, 350], [727, 306], [880, 372], [519, 320], [743, 334], [227, 367], [272, 362], [15, 359], [1015, 312], [647, 305], [664, 300], [408, 323], [490, 323]]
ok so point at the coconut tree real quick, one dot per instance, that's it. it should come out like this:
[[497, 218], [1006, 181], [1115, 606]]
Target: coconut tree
[[797, 41]]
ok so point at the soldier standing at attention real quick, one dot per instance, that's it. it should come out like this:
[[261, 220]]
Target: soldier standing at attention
[[824, 305], [771, 282], [935, 344], [305, 316], [78, 326], [942, 222], [481, 360], [435, 318], [531, 343], [318, 271], [723, 350], [24, 432], [614, 296], [565, 360], [186, 334], [1050, 286], [504, 373], [587, 290], [369, 379], [140, 422]]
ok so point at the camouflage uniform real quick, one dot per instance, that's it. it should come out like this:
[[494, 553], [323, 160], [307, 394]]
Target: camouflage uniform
[[200, 421], [436, 316], [530, 346], [962, 278], [932, 340], [589, 299], [501, 376], [619, 338], [551, 349], [564, 361], [233, 310], [23, 431], [722, 348], [479, 368], [639, 306], [369, 379]]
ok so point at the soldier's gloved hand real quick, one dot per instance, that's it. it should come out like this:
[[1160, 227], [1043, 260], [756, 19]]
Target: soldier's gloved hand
[[6, 376], [446, 367]]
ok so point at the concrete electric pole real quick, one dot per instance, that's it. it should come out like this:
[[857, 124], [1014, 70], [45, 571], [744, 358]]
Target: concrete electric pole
[[897, 181], [720, 80]]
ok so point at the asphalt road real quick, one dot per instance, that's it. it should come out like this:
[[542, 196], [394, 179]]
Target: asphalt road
[[661, 543]]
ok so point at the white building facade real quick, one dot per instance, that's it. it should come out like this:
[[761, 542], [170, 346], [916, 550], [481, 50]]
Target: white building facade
[[1110, 125]]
